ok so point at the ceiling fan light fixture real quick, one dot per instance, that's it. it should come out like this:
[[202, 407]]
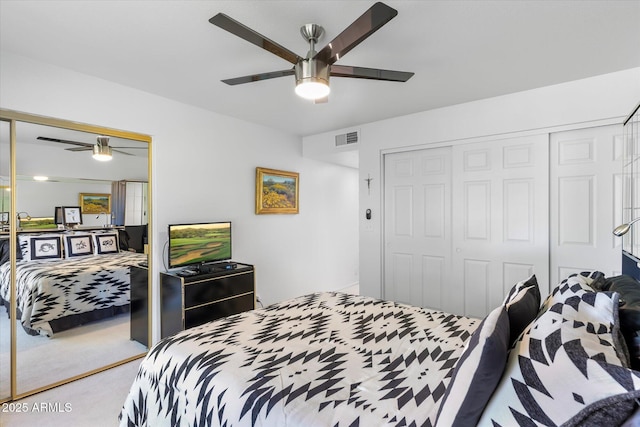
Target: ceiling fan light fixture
[[102, 153], [310, 89], [312, 79]]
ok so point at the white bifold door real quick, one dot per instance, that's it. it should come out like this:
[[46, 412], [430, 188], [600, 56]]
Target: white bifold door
[[586, 200], [417, 227], [464, 223]]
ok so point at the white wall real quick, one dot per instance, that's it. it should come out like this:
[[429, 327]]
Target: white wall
[[204, 169], [602, 99], [31, 198], [61, 166]]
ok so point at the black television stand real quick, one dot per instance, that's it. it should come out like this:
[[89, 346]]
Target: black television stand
[[187, 301]]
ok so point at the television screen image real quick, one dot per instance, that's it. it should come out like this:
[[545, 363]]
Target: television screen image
[[199, 243]]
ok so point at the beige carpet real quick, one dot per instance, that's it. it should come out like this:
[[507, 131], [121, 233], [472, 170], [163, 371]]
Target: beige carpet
[[93, 401], [42, 361]]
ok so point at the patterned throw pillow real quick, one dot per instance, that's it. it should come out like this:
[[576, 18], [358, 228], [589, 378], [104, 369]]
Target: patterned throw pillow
[[522, 304], [40, 246], [106, 243], [76, 245], [572, 287], [565, 368], [477, 372]]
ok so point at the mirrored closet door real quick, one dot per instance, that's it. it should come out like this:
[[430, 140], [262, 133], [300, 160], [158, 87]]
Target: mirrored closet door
[[5, 209], [75, 249]]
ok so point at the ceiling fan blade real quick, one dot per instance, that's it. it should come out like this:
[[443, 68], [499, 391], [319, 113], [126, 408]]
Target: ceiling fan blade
[[370, 21], [258, 77], [234, 27], [91, 148], [131, 148], [65, 141], [122, 152], [370, 73]]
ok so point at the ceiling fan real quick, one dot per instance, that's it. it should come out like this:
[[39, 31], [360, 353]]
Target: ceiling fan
[[101, 149], [312, 72]]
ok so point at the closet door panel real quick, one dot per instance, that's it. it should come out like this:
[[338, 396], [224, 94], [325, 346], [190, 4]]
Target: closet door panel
[[585, 200], [464, 223], [417, 227], [500, 203]]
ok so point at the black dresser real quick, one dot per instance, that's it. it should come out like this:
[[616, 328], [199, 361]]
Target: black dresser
[[188, 301]]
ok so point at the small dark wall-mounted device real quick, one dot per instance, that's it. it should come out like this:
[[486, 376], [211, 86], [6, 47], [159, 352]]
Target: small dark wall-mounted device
[[367, 214]]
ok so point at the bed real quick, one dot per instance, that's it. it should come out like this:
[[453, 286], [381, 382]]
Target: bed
[[67, 286], [332, 359]]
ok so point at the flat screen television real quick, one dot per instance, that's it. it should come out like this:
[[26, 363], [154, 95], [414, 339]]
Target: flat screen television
[[201, 243]]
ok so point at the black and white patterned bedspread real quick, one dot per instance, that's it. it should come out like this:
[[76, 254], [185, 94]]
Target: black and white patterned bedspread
[[326, 359], [51, 289]]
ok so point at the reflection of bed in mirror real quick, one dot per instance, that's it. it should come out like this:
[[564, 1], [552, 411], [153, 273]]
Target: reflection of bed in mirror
[[64, 280]]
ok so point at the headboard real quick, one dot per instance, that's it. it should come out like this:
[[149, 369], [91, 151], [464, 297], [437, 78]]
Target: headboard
[[630, 265]]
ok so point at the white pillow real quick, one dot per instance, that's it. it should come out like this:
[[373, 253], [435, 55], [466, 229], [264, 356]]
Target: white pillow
[[40, 246], [76, 245], [106, 243]]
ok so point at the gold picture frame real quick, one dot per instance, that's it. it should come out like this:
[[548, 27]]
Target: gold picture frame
[[276, 191], [95, 203]]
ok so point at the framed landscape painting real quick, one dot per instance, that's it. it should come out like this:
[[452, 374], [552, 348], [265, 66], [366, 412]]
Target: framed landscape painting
[[276, 191], [93, 203]]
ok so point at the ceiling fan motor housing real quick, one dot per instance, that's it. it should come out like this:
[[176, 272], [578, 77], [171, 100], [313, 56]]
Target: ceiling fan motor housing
[[312, 70]]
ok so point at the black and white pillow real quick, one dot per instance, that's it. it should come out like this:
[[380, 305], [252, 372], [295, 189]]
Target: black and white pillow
[[106, 243], [565, 368], [570, 288], [40, 246], [76, 245], [522, 304], [477, 372]]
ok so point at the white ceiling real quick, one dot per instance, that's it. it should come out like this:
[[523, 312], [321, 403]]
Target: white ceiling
[[460, 51]]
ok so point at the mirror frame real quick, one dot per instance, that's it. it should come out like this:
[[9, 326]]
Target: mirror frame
[[14, 117]]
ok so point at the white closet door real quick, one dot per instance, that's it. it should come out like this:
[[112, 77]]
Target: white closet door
[[500, 220], [417, 227], [586, 204]]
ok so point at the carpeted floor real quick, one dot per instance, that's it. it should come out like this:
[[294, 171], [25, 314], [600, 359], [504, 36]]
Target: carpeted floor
[[42, 361], [93, 401]]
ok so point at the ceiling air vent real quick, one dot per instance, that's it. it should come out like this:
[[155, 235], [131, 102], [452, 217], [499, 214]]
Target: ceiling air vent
[[347, 138]]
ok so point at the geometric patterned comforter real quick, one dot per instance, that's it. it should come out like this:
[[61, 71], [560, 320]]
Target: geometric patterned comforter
[[325, 359], [51, 289]]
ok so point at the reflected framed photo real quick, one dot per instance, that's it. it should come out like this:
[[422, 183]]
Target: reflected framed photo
[[43, 223], [57, 216], [276, 191], [95, 203], [72, 215]]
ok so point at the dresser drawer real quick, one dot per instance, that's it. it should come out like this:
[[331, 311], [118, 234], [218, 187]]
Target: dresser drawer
[[217, 310], [198, 293]]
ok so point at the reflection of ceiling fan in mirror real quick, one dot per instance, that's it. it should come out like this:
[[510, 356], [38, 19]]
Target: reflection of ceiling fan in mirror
[[101, 149], [312, 72]]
